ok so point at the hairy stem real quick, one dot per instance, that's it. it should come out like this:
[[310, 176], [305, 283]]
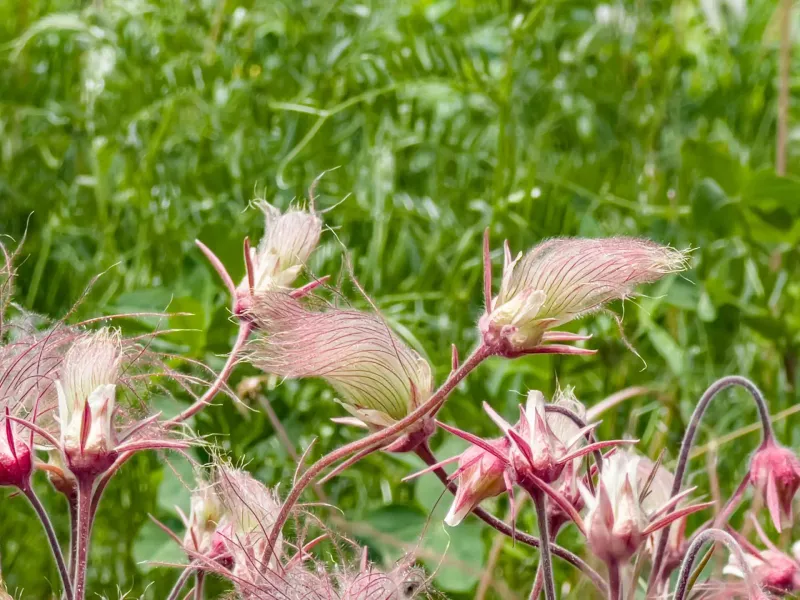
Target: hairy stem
[[545, 561], [377, 439], [72, 502], [710, 535], [85, 517], [426, 455], [184, 577], [614, 582], [199, 580], [688, 441], [245, 328], [55, 548]]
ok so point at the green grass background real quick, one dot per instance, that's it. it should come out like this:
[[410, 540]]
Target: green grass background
[[130, 128]]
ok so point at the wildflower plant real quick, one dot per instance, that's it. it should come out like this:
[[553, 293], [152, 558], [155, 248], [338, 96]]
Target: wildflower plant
[[64, 411]]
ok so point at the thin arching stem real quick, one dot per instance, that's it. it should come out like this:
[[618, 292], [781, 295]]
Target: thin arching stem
[[709, 535], [85, 518], [180, 583], [688, 441], [55, 547], [375, 440], [546, 561], [245, 328], [426, 455]]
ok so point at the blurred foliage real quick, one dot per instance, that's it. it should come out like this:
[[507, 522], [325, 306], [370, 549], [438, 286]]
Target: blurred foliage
[[128, 129]]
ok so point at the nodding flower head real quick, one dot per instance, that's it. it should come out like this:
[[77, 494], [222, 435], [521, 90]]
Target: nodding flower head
[[289, 239], [618, 520], [773, 571], [541, 442], [563, 279], [87, 400], [250, 510], [16, 463], [207, 517], [480, 475], [380, 380], [775, 473]]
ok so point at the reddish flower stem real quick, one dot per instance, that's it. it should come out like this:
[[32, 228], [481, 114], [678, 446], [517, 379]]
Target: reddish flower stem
[[377, 439], [181, 582], [55, 548], [245, 328], [424, 452], [688, 441], [614, 582], [546, 562], [710, 535], [85, 485]]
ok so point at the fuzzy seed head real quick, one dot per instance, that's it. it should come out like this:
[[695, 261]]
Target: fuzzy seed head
[[289, 239], [379, 378], [563, 279], [87, 399]]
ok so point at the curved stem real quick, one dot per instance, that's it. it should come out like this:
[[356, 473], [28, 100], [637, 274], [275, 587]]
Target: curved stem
[[688, 441], [184, 577], [709, 535], [377, 439], [546, 561], [245, 328], [85, 518], [424, 452], [55, 548]]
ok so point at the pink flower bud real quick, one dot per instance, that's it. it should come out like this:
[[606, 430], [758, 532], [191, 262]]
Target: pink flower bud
[[480, 476], [771, 569], [16, 464], [379, 378], [206, 517], [775, 473], [563, 279], [616, 521], [87, 399], [288, 241]]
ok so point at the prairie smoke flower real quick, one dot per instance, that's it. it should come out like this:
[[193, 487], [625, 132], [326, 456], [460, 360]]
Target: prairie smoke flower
[[379, 378], [617, 522], [655, 496], [773, 570], [480, 476], [288, 241], [775, 473], [207, 516], [402, 583], [250, 509], [87, 399], [564, 279], [16, 463]]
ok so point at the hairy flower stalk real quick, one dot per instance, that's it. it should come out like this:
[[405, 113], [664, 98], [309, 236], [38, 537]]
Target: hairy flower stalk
[[716, 535], [657, 573], [564, 279], [380, 380]]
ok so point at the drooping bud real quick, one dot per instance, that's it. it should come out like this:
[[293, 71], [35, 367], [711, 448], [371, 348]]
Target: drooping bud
[[288, 241], [87, 399], [618, 523], [480, 476], [771, 569], [775, 473], [379, 378], [207, 517], [563, 279], [16, 463]]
